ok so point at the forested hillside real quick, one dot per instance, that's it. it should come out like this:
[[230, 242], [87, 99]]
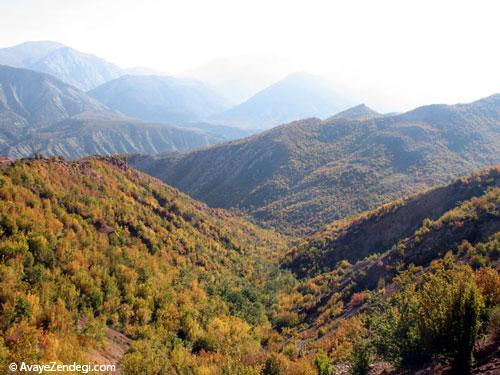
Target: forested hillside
[[410, 297], [376, 231], [93, 251], [359, 112], [250, 187], [92, 244], [300, 176]]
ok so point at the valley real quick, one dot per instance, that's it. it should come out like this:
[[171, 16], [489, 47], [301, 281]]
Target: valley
[[93, 245], [235, 219]]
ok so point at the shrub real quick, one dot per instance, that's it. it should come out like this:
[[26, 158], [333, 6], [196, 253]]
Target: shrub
[[323, 364], [286, 320], [488, 282], [361, 358], [272, 366], [437, 314], [449, 313]]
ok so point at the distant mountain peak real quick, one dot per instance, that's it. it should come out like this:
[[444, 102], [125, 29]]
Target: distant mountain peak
[[494, 98], [359, 112], [297, 96], [39, 44], [161, 99], [82, 70]]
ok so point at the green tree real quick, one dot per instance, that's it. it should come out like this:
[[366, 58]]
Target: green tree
[[361, 358], [323, 364], [449, 313], [272, 366], [465, 324]]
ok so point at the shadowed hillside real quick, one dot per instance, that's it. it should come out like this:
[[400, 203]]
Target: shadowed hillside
[[302, 175], [376, 231], [404, 287]]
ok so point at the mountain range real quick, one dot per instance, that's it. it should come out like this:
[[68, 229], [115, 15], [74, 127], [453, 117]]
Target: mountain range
[[153, 97], [300, 176], [41, 114]]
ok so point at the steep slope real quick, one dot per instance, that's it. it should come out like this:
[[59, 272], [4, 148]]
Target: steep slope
[[376, 231], [469, 229], [297, 96], [91, 134], [303, 175], [40, 114], [79, 69], [76, 68], [91, 245], [40, 99], [160, 99]]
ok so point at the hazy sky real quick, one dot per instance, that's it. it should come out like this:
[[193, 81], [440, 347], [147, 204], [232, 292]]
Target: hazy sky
[[393, 55]]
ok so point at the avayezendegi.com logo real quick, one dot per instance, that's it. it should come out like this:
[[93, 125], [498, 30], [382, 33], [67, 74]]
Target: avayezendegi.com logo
[[39, 368]]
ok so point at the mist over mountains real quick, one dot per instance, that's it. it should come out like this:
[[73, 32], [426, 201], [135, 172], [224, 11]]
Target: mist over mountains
[[302, 174], [238, 78], [154, 97], [161, 99], [297, 96], [79, 69], [41, 114]]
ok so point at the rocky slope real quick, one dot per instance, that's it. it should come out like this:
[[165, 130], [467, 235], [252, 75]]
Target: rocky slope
[[41, 114]]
